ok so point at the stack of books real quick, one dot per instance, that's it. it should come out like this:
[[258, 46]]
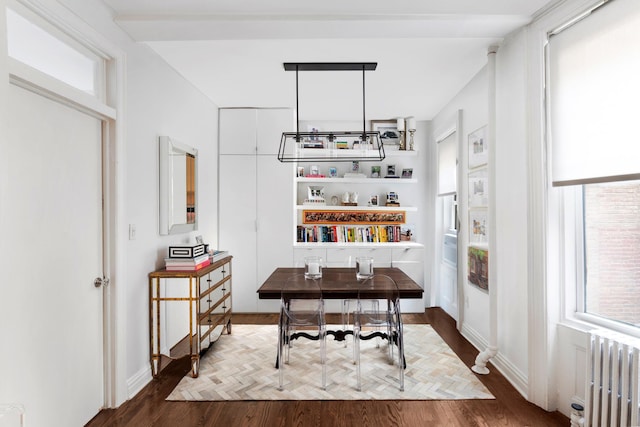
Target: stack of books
[[187, 264], [217, 255], [187, 258]]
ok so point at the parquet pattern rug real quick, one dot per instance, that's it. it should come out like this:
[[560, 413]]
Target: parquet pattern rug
[[240, 366]]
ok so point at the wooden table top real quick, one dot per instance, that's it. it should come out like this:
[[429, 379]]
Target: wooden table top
[[336, 283]]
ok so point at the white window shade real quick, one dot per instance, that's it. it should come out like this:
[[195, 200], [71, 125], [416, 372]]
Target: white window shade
[[594, 97], [447, 165]]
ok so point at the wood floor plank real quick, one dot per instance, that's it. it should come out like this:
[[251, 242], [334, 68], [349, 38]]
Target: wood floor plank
[[149, 407]]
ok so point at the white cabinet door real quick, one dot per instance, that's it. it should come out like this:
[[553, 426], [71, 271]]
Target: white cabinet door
[[238, 226], [271, 122], [238, 130], [275, 216]]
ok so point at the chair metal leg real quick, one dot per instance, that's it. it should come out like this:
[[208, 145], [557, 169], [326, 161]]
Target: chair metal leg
[[323, 354], [281, 343], [356, 347]]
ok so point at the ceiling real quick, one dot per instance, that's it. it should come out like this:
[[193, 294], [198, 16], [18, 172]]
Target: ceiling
[[233, 51]]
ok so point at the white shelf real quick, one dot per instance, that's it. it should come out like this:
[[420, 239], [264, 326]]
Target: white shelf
[[357, 208], [364, 155], [400, 153], [368, 181]]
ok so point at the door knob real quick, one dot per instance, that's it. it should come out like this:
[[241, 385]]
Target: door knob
[[100, 281]]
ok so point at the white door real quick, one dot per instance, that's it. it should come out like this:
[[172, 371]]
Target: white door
[[53, 252], [274, 240], [237, 195]]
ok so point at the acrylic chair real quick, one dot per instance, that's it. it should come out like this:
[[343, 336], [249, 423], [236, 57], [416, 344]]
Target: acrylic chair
[[389, 319], [305, 311]]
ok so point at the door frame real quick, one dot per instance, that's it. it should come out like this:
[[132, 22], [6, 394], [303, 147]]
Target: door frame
[[111, 112]]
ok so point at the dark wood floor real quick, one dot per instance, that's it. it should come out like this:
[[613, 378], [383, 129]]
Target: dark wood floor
[[149, 408]]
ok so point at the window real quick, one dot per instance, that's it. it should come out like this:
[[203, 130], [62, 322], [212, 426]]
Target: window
[[53, 53], [611, 237], [593, 90]]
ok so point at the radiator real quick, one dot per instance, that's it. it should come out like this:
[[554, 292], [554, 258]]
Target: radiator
[[611, 397]]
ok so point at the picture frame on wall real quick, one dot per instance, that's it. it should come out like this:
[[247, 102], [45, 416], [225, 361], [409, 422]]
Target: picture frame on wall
[[389, 135], [478, 148], [479, 188], [478, 267], [478, 226]]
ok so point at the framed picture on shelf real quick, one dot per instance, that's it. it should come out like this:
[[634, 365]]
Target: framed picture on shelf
[[353, 217], [355, 166], [375, 171], [407, 173], [391, 170], [314, 170], [300, 173], [373, 200], [478, 148], [333, 171], [315, 192], [388, 129]]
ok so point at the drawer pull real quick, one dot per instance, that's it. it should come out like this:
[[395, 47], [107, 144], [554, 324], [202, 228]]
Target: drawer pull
[[208, 300]]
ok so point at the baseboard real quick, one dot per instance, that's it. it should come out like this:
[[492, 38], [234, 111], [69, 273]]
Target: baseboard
[[138, 381], [473, 337], [516, 378]]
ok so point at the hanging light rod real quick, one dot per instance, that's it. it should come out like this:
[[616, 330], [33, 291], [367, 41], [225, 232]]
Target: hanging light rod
[[330, 66], [331, 145]]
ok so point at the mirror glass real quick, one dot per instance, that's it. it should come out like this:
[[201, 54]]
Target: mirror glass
[[178, 187]]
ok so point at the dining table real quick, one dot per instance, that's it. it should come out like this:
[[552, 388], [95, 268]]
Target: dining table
[[339, 283]]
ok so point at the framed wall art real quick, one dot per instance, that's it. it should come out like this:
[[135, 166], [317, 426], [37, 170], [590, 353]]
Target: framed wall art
[[479, 188], [478, 148], [478, 226], [478, 267]]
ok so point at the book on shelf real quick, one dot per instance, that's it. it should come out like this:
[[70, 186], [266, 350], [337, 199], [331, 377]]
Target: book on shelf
[[218, 255], [349, 234]]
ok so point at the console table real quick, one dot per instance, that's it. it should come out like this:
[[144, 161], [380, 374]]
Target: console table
[[209, 303]]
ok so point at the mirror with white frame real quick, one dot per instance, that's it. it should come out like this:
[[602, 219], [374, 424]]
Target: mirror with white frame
[[178, 187]]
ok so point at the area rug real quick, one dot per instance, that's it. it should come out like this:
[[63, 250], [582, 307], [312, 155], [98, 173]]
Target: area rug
[[241, 366]]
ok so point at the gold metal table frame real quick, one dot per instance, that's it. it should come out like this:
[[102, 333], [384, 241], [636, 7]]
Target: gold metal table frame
[[202, 320]]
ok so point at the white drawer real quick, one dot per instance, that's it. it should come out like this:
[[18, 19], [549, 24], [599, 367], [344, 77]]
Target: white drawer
[[381, 256], [299, 255], [407, 254], [341, 257]]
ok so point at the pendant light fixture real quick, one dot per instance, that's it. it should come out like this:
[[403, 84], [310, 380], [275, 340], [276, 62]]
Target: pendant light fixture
[[331, 146]]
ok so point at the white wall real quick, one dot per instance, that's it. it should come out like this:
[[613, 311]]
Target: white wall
[[160, 102]]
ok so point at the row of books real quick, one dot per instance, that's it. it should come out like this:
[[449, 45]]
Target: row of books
[[194, 263], [347, 234]]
